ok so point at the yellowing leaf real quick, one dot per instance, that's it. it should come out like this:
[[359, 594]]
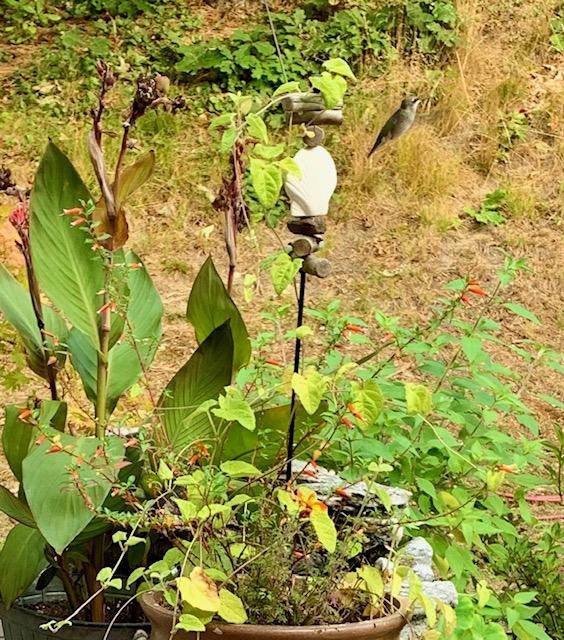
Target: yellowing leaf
[[199, 591], [283, 271], [231, 608], [324, 529], [340, 67], [310, 389], [483, 593], [419, 399], [267, 181], [188, 622], [373, 579], [234, 408], [368, 400], [429, 608], [256, 128]]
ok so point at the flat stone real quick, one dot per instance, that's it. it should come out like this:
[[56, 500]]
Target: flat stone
[[308, 226], [326, 482]]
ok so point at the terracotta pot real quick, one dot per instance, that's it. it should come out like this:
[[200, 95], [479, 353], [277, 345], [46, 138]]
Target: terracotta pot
[[161, 618]]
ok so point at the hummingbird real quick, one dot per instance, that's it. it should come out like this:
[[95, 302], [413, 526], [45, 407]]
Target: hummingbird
[[399, 123]]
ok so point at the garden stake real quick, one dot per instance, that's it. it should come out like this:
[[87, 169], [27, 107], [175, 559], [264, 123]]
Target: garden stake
[[297, 355], [309, 202]]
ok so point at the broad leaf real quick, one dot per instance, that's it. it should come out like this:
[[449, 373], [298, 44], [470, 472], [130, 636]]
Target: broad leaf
[[50, 490], [202, 378], [310, 389], [368, 401], [340, 67], [15, 305], [332, 88], [268, 152], [234, 408], [231, 608], [199, 591], [15, 508], [419, 399], [17, 436], [287, 87], [131, 178], [210, 305], [267, 181], [283, 271], [263, 445], [520, 310], [324, 529], [139, 345], [67, 271], [22, 559], [256, 128]]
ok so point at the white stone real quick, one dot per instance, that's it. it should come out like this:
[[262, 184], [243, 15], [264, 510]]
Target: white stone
[[418, 551], [310, 194], [423, 572]]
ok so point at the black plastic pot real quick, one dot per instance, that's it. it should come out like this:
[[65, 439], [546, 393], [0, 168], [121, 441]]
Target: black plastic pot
[[20, 623]]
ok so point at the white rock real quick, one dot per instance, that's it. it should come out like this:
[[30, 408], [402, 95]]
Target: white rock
[[310, 194], [423, 571], [443, 590], [414, 630], [418, 551]]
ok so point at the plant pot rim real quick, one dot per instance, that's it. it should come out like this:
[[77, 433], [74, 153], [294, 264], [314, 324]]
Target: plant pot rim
[[156, 612], [58, 596]]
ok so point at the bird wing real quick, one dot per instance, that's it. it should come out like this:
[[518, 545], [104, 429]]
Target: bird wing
[[384, 136]]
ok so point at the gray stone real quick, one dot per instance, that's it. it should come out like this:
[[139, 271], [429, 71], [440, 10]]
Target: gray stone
[[414, 630], [423, 571], [418, 551], [326, 482], [443, 590]]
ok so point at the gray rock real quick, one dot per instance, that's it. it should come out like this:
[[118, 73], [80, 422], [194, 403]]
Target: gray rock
[[423, 571], [443, 590], [418, 551], [325, 483], [414, 630]]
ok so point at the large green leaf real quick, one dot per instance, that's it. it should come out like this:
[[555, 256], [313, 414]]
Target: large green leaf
[[61, 507], [69, 273], [15, 304], [15, 508], [17, 436], [210, 305], [202, 378], [267, 443], [22, 559], [144, 314]]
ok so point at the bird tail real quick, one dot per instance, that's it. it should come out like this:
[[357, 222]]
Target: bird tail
[[374, 147]]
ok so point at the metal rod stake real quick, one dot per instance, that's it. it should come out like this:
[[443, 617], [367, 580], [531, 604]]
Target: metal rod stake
[[297, 355]]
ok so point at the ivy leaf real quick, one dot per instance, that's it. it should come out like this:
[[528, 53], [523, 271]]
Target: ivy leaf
[[368, 401], [267, 181], [309, 389], [239, 469], [231, 608], [324, 529], [256, 128], [287, 87], [283, 271], [268, 152], [419, 399], [234, 408], [199, 591], [289, 165], [228, 139], [331, 87], [340, 67]]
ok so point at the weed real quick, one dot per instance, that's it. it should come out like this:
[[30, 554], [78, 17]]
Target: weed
[[490, 209], [512, 127], [557, 32]]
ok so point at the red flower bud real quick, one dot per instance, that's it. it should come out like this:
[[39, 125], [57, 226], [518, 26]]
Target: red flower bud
[[474, 288]]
